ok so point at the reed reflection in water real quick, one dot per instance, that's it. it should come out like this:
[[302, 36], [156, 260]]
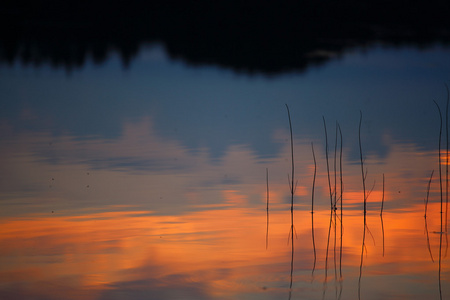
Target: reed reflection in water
[[98, 253], [214, 247]]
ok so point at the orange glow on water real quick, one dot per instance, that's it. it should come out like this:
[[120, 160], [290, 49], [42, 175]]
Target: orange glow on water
[[205, 226], [220, 247]]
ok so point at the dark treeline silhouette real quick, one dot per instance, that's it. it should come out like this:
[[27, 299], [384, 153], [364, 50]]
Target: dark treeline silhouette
[[251, 36]]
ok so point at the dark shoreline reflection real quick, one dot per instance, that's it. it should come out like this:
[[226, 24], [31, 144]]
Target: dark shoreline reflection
[[251, 36]]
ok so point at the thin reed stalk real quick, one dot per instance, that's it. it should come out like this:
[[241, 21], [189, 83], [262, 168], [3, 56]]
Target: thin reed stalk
[[362, 163], [328, 165], [292, 188], [440, 262], [312, 208], [335, 201], [328, 245], [331, 204], [314, 178], [267, 208], [446, 157], [364, 196], [425, 215], [341, 197], [292, 169], [314, 244], [440, 160], [428, 239], [381, 215], [340, 167], [446, 172], [382, 230], [382, 199], [335, 168], [334, 246], [428, 193], [440, 185]]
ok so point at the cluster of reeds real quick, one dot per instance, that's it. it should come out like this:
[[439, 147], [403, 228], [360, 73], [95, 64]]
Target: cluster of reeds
[[336, 198]]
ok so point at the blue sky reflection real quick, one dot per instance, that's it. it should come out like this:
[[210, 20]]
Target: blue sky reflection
[[118, 182], [212, 108]]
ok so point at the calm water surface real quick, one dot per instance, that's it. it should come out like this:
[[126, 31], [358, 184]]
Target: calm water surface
[[150, 182]]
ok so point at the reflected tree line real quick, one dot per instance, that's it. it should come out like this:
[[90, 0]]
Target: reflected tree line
[[336, 204], [249, 36]]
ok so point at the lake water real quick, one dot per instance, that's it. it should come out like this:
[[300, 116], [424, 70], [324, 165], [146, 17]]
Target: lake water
[[151, 182]]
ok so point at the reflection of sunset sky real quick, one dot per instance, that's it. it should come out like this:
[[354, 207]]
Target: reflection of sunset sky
[[141, 168], [154, 181], [220, 249], [96, 226], [213, 108]]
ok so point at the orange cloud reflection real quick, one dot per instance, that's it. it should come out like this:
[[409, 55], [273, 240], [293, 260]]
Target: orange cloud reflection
[[218, 248]]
